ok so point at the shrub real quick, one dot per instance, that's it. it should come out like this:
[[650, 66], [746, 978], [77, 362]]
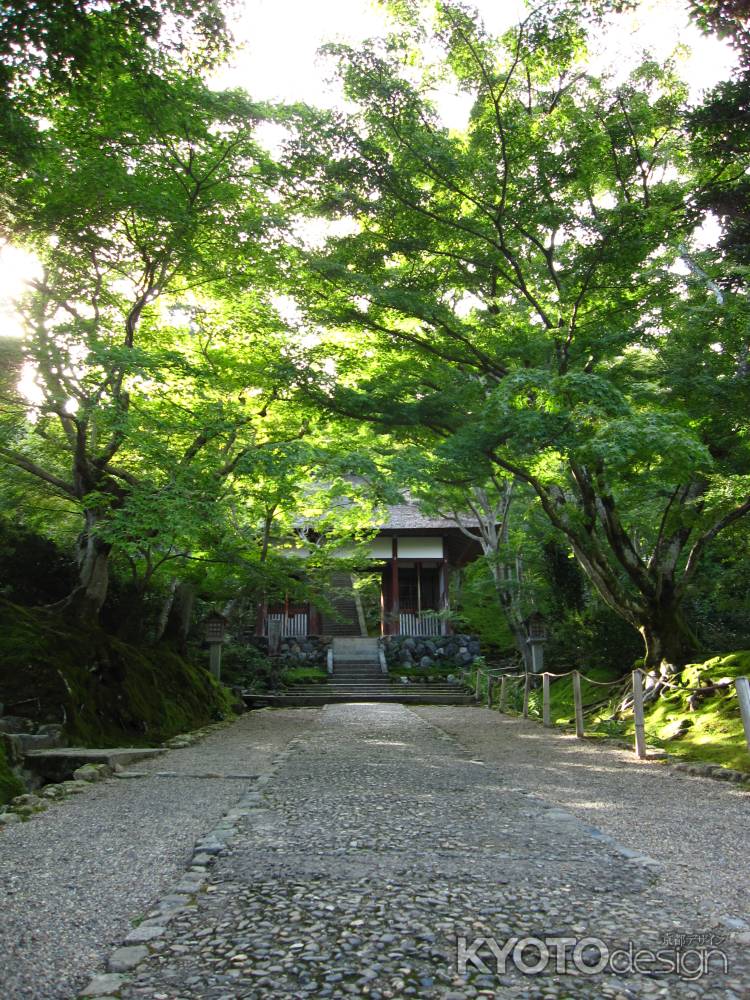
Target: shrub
[[243, 665]]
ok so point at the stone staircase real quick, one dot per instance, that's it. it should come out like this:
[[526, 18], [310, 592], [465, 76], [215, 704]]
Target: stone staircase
[[358, 676], [344, 621]]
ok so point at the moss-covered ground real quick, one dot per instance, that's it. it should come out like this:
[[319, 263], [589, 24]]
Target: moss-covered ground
[[709, 728], [105, 692]]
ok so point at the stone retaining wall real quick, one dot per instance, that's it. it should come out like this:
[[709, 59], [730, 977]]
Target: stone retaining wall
[[297, 651], [308, 651], [412, 651]]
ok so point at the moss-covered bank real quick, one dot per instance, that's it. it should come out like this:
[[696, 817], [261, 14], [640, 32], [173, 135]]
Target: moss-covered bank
[[705, 727], [104, 691]]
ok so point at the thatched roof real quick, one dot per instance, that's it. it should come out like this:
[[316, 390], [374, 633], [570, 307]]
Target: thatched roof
[[408, 517]]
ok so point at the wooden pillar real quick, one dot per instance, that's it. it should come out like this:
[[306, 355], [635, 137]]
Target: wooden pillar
[[215, 660], [578, 703], [395, 626], [313, 620], [638, 716], [742, 685], [260, 619], [444, 603], [383, 601]]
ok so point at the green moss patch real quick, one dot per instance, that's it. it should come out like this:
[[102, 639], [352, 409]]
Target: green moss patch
[[10, 784], [104, 691]]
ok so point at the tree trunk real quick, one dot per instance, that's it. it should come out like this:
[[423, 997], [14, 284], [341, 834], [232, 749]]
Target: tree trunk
[[92, 555], [500, 575], [166, 607], [521, 640], [669, 641], [179, 618]]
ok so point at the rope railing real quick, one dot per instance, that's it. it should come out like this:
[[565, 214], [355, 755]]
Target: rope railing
[[636, 683]]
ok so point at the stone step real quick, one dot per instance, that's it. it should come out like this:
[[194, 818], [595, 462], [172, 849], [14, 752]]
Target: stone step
[[327, 698], [344, 644], [359, 680], [59, 764], [363, 667], [344, 686], [385, 685], [356, 658], [357, 668], [343, 678]]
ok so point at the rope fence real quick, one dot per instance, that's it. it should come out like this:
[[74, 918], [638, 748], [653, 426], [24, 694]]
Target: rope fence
[[635, 684]]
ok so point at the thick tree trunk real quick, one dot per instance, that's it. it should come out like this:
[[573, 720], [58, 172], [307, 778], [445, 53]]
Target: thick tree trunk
[[669, 640], [512, 616], [166, 607], [180, 615], [92, 555], [521, 640]]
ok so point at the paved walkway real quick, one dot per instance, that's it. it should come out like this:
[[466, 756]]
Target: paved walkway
[[378, 845], [74, 878]]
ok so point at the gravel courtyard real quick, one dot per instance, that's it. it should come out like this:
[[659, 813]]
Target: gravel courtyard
[[380, 841]]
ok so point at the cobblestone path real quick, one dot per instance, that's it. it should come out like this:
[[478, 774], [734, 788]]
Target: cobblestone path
[[376, 846], [74, 878]]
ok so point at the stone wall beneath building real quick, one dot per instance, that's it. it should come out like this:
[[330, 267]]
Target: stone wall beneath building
[[296, 651], [309, 651], [412, 651]]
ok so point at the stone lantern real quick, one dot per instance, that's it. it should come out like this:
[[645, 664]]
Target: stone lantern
[[215, 626], [536, 629]]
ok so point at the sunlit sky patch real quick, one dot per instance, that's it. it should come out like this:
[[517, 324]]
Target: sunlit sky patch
[[280, 40], [278, 60]]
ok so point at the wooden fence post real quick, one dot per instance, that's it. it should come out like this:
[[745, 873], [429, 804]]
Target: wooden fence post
[[640, 721], [479, 684], [743, 696], [490, 682], [503, 693], [578, 704], [526, 690], [545, 701]]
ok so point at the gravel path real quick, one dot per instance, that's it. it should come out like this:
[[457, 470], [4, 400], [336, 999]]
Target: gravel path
[[378, 844], [73, 878], [698, 827]]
